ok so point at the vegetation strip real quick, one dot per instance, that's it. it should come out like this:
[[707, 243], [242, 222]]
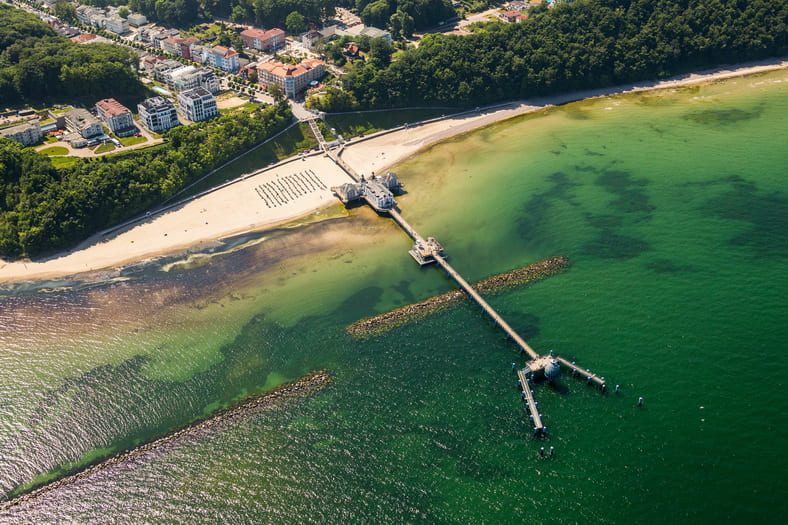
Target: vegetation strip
[[298, 389], [495, 284]]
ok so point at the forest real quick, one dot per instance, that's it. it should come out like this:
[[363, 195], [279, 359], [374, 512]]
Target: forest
[[37, 64], [44, 209], [274, 13], [580, 45]]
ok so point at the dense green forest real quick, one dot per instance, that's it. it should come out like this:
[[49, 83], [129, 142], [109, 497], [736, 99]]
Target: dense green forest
[[37, 64], [585, 44], [273, 13], [43, 208]]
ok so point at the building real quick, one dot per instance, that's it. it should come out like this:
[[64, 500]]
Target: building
[[374, 32], [117, 25], [263, 40], [186, 45], [117, 116], [158, 114], [224, 58], [137, 19], [310, 38], [292, 79], [190, 77], [82, 122], [512, 16], [26, 134], [197, 104], [170, 45]]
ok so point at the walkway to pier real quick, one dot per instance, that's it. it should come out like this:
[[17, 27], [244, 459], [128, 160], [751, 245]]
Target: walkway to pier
[[321, 141]]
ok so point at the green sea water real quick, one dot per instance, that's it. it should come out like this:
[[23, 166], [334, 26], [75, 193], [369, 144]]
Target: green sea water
[[671, 206]]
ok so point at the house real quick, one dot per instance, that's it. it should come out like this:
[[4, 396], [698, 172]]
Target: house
[[292, 79], [197, 104], [351, 50], [86, 12], [137, 19], [170, 45], [117, 25], [511, 17], [263, 40], [82, 122], [26, 134], [158, 114], [117, 116], [224, 58], [310, 38]]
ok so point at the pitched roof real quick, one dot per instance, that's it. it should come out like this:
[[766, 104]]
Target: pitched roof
[[222, 51]]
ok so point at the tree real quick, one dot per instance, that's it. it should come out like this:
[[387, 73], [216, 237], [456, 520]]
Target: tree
[[275, 90], [65, 11], [123, 12], [295, 23], [238, 14]]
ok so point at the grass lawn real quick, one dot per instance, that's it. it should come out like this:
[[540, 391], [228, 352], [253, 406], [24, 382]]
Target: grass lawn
[[107, 146], [49, 139], [63, 162], [54, 150], [355, 124], [130, 141]]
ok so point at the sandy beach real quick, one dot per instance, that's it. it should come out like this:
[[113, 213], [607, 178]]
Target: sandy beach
[[261, 200]]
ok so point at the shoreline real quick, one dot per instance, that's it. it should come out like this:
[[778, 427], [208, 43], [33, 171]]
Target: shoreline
[[240, 207]]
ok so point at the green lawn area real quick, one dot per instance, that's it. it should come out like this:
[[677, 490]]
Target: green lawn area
[[63, 162], [130, 141], [107, 146], [49, 139], [355, 124], [54, 150]]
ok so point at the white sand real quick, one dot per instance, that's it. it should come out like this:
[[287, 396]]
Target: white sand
[[238, 208], [231, 210]]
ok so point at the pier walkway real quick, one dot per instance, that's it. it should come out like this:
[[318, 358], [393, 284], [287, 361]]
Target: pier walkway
[[429, 251], [530, 402]]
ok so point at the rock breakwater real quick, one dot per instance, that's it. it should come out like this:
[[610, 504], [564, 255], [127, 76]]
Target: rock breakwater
[[495, 284], [298, 389]]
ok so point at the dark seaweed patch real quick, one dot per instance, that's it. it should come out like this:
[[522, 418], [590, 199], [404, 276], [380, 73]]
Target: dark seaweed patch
[[722, 116], [612, 245], [767, 214], [534, 221], [631, 198], [666, 266]]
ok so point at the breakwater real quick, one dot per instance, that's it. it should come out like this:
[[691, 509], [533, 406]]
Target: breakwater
[[298, 389], [495, 284]]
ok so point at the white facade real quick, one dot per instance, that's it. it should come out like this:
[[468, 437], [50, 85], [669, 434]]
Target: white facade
[[197, 104], [117, 25], [137, 19], [158, 114], [26, 134]]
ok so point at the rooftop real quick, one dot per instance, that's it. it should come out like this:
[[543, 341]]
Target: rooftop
[[222, 51], [289, 70], [196, 93], [112, 107], [157, 104], [261, 34]]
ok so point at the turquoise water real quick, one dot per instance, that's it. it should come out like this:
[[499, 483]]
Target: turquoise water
[[671, 207]]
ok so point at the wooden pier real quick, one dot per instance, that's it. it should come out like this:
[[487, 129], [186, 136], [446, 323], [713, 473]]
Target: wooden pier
[[430, 250], [590, 378], [530, 402]]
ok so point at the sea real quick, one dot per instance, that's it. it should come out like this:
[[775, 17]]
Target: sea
[[672, 207]]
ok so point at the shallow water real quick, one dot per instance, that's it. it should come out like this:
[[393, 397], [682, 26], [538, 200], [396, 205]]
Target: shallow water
[[672, 208]]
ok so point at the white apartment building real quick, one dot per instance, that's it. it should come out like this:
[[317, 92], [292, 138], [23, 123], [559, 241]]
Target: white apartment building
[[158, 114], [197, 104]]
